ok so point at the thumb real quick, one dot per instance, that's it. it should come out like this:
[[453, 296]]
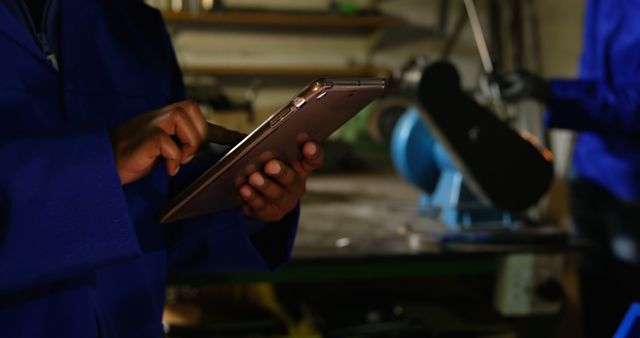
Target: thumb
[[220, 135]]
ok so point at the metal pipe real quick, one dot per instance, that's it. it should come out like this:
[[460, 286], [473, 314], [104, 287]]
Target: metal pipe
[[485, 58], [478, 36]]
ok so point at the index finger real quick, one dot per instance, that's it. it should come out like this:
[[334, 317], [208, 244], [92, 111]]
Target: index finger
[[177, 122], [194, 112]]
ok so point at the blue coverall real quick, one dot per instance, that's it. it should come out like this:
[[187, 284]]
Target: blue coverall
[[603, 105], [80, 255]]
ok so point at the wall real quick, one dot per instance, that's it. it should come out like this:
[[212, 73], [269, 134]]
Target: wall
[[560, 25], [242, 46]]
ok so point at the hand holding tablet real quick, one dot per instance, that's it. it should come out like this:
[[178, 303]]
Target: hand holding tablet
[[312, 115], [272, 193]]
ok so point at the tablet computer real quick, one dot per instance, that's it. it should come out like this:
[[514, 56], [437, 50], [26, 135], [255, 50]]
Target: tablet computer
[[312, 115]]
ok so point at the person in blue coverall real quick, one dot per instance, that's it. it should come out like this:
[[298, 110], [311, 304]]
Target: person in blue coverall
[[94, 126], [603, 105]]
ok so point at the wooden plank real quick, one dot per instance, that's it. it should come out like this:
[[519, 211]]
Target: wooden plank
[[355, 71], [284, 19]]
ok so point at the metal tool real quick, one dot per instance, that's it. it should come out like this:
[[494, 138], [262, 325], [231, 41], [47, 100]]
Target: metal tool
[[485, 57]]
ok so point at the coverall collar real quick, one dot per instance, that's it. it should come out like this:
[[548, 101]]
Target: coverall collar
[[13, 30]]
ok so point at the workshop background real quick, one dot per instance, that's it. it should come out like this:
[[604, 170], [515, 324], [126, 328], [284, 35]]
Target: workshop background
[[369, 259]]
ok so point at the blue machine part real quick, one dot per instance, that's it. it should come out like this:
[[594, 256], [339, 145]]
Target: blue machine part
[[630, 326], [423, 162], [412, 152]]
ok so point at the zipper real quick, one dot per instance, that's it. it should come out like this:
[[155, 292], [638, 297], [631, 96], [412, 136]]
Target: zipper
[[46, 47], [48, 52], [41, 37]]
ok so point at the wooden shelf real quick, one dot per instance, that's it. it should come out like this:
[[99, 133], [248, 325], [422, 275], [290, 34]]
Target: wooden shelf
[[260, 19], [285, 19], [355, 71]]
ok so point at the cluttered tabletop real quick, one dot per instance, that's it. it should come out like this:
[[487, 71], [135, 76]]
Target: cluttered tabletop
[[378, 215], [369, 226]]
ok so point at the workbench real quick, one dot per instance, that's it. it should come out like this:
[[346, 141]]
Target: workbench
[[367, 226], [360, 236]]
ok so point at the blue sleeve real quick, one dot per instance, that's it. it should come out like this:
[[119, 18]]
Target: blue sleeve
[[62, 209], [593, 106], [221, 242]]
